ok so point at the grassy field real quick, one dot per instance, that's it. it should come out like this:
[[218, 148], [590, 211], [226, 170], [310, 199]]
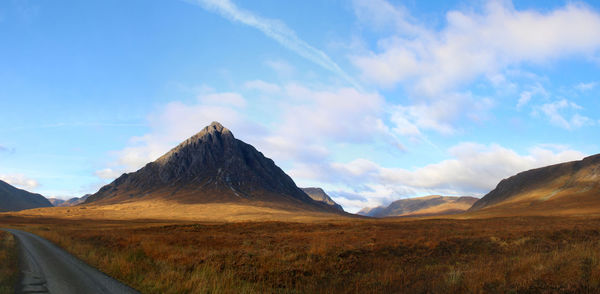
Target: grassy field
[[8, 263], [519, 255]]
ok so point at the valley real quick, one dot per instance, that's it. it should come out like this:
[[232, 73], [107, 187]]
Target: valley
[[498, 255], [214, 215], [292, 147]]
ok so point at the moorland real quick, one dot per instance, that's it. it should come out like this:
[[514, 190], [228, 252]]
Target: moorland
[[490, 255]]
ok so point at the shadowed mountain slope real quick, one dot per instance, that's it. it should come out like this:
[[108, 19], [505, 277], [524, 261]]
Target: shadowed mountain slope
[[14, 199], [318, 194], [422, 206], [210, 167], [566, 188]]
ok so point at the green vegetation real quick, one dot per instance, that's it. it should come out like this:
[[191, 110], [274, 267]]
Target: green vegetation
[[520, 255], [8, 263]]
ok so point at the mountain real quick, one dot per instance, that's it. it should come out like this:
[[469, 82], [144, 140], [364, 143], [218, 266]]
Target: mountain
[[422, 206], [70, 202], [318, 194], [563, 189], [14, 199], [210, 167], [56, 202]]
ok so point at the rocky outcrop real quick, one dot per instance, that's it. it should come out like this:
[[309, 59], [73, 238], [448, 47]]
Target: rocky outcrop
[[14, 199]]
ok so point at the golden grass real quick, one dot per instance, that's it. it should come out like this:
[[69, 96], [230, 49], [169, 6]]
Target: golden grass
[[520, 254], [8, 263], [444, 208], [170, 210]]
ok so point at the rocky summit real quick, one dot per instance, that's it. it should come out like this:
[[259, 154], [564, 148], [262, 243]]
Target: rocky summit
[[211, 166]]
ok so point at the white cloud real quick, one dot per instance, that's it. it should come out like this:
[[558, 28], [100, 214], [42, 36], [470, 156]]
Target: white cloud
[[108, 174], [583, 87], [20, 180], [472, 169], [262, 86], [534, 90], [278, 31], [304, 122], [381, 14], [344, 114], [281, 67], [474, 44], [171, 125], [227, 98], [553, 112], [439, 115]]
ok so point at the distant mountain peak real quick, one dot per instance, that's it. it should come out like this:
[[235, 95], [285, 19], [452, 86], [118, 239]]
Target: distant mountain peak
[[318, 194]]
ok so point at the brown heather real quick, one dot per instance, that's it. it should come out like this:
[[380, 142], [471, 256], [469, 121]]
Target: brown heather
[[8, 263], [519, 255]]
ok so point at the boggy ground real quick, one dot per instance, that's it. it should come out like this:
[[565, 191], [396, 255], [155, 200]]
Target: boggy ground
[[8, 263], [524, 254]]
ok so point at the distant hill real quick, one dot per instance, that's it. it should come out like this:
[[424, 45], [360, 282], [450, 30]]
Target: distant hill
[[211, 167], [319, 195], [70, 202], [561, 189], [422, 206], [14, 199]]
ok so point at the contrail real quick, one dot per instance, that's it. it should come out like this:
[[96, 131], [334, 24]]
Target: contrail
[[278, 31]]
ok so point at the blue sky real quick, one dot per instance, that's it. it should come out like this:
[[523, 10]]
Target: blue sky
[[372, 100]]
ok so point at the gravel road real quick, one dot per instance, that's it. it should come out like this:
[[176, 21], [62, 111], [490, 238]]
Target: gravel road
[[45, 268]]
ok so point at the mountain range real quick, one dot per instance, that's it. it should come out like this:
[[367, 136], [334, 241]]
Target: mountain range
[[422, 206], [69, 202], [213, 173]]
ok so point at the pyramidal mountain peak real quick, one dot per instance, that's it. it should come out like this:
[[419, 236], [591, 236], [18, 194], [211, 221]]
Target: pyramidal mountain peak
[[211, 133], [212, 166]]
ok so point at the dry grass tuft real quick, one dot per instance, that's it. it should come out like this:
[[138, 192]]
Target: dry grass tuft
[[8, 263]]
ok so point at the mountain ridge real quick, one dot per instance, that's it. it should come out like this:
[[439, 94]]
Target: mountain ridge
[[568, 186], [422, 206], [15, 199]]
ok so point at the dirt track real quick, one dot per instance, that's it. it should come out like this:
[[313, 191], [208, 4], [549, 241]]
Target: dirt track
[[45, 268]]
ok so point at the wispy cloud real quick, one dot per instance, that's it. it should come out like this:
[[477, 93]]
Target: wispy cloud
[[586, 86], [278, 31], [74, 125], [20, 181], [534, 90], [553, 112], [4, 149]]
